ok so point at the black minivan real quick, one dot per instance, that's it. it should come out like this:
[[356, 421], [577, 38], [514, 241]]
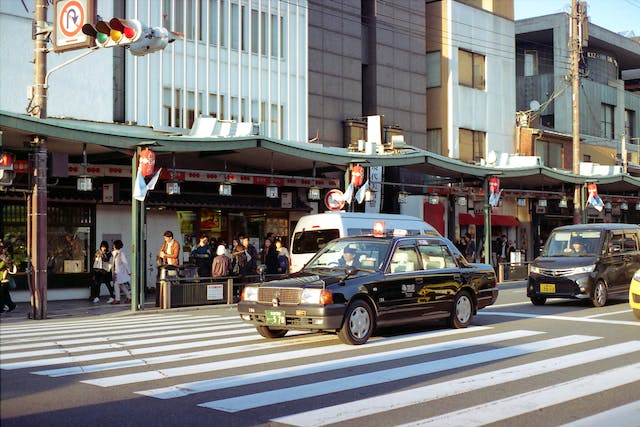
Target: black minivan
[[586, 261]]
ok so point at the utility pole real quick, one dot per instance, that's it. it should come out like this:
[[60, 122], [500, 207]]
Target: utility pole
[[37, 199], [574, 52]]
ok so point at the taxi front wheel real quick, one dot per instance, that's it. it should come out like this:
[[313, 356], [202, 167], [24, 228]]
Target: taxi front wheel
[[271, 333], [357, 325]]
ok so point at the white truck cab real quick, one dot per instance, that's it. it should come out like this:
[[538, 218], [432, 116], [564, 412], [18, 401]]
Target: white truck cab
[[312, 232]]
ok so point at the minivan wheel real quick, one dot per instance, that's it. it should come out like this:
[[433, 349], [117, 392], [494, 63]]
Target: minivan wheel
[[358, 324], [538, 300], [462, 312], [599, 297], [267, 332]]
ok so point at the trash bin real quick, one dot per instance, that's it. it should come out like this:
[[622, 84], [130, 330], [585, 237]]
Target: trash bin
[[168, 277]]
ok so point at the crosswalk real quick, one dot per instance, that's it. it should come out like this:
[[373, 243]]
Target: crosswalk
[[393, 380]]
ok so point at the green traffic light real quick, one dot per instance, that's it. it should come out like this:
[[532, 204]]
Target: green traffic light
[[102, 38]]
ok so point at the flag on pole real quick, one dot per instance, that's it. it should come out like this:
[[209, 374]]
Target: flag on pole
[[593, 199], [141, 188], [362, 192], [348, 195]]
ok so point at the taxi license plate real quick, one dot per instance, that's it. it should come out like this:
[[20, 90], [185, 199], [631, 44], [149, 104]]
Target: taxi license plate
[[547, 288], [275, 317]]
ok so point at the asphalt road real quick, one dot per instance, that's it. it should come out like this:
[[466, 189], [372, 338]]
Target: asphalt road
[[562, 363]]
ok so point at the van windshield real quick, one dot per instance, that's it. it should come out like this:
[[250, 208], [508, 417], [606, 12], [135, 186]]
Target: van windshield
[[569, 243], [310, 241]]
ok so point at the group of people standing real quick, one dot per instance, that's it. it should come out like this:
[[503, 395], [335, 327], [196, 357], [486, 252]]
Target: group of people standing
[[7, 267], [241, 259], [111, 268]]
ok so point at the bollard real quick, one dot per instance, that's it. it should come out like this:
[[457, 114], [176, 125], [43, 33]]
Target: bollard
[[230, 291]]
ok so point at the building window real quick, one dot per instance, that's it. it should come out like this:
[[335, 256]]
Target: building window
[[434, 78], [471, 145], [179, 16], [471, 69], [586, 158], [629, 121], [530, 63], [551, 153], [434, 140], [606, 121], [547, 121]]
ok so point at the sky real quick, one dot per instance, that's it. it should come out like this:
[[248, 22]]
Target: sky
[[614, 15]]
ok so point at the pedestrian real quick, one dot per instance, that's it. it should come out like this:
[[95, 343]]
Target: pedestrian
[[471, 248], [283, 257], [170, 250], [269, 256], [221, 263], [121, 272], [7, 267], [252, 255], [102, 266], [203, 256], [240, 264]]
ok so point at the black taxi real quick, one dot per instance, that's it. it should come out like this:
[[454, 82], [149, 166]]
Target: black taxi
[[355, 284]]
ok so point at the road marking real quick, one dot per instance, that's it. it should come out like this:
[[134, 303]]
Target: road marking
[[553, 317], [512, 304], [623, 416], [613, 313], [271, 397], [536, 400], [181, 390], [260, 359], [415, 396], [76, 370], [240, 328], [171, 334]]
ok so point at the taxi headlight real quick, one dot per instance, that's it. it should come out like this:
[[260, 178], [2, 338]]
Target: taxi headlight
[[585, 269], [316, 296], [250, 293]]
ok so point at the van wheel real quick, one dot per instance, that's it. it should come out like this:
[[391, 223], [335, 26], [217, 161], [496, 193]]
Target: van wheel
[[357, 325], [599, 297], [462, 311], [269, 333], [538, 300]]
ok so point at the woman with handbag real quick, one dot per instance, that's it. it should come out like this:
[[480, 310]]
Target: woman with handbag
[[6, 267], [102, 273], [121, 272]]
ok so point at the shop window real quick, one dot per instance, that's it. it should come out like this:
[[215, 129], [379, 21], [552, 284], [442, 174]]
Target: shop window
[[13, 230], [69, 238]]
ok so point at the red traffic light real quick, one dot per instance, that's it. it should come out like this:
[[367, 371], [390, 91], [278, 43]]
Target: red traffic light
[[117, 32]]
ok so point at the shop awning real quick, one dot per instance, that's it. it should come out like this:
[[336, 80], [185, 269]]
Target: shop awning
[[496, 220]]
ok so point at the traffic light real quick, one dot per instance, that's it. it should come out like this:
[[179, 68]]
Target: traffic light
[[117, 32], [140, 39], [6, 169]]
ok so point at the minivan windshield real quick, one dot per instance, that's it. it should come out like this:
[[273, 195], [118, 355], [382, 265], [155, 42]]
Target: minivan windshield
[[361, 254], [572, 243]]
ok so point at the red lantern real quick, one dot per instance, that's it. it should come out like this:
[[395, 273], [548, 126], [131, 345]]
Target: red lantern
[[147, 162], [357, 175], [494, 185]]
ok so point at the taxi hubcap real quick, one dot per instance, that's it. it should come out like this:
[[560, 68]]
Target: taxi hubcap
[[463, 309], [359, 322]]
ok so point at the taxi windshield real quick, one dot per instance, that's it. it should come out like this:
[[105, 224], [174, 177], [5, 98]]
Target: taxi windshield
[[572, 243], [365, 255]]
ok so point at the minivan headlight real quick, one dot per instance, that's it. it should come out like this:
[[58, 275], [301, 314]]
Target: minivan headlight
[[535, 269], [636, 276], [585, 269], [250, 293]]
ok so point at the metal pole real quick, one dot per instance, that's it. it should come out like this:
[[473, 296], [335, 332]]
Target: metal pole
[[487, 222], [38, 217], [135, 234], [574, 43]]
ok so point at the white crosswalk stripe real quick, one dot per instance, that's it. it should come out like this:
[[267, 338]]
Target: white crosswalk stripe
[[228, 368]]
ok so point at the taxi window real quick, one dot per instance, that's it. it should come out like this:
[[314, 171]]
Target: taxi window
[[435, 257], [404, 259]]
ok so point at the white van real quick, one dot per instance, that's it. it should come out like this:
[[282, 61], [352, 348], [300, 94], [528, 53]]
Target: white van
[[313, 231]]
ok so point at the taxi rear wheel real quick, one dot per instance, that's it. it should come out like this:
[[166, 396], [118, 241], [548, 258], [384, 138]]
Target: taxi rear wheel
[[357, 325], [538, 300], [267, 332], [599, 297], [462, 312]]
